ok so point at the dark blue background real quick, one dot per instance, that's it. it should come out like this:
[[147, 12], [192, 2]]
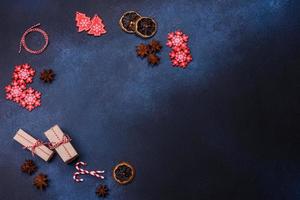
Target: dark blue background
[[227, 127]]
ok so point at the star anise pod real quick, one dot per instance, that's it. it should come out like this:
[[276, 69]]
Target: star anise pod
[[40, 181], [47, 75], [155, 46], [153, 59], [28, 167], [102, 191], [142, 50]]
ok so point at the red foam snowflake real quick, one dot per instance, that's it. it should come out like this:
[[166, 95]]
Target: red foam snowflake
[[82, 22], [180, 55], [97, 26], [30, 99], [177, 39], [23, 74], [181, 58], [14, 91]]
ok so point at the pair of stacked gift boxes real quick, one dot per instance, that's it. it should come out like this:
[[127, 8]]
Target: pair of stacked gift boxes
[[58, 142]]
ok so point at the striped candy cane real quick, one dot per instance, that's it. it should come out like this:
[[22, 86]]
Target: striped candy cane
[[81, 171]]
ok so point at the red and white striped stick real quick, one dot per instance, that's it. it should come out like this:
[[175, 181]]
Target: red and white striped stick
[[81, 171]]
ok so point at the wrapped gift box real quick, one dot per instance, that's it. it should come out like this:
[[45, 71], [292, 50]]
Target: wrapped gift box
[[33, 145], [61, 143]]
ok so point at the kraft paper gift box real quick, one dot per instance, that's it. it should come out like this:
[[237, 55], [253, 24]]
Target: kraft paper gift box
[[35, 146], [61, 144]]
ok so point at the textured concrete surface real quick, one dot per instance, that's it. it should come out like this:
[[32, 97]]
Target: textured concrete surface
[[227, 127]]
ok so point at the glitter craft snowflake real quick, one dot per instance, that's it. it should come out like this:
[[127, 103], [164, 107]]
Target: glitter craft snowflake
[[23, 74], [30, 99], [180, 55], [17, 91], [177, 39], [180, 58], [14, 91]]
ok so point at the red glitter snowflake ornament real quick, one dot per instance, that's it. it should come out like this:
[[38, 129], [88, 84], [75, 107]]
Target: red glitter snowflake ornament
[[180, 55], [17, 91], [14, 91], [30, 99], [97, 26], [180, 58], [177, 39], [23, 74], [82, 22]]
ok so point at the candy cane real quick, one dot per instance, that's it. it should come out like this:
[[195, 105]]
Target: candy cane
[[81, 171]]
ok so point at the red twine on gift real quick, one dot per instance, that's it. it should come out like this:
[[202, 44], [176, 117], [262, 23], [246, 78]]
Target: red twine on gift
[[34, 146], [81, 171], [64, 140], [34, 29]]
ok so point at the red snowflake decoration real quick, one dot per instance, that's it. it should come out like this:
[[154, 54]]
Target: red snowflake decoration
[[17, 91], [23, 74], [180, 58], [30, 99], [82, 22], [177, 39], [14, 91], [97, 26], [180, 55]]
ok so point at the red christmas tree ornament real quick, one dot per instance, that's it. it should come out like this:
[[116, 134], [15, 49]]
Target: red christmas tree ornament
[[79, 16], [14, 91], [23, 74], [97, 26], [82, 22], [30, 99]]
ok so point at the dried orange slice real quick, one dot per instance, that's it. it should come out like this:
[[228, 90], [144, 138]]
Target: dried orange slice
[[128, 20], [123, 173], [145, 27]]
